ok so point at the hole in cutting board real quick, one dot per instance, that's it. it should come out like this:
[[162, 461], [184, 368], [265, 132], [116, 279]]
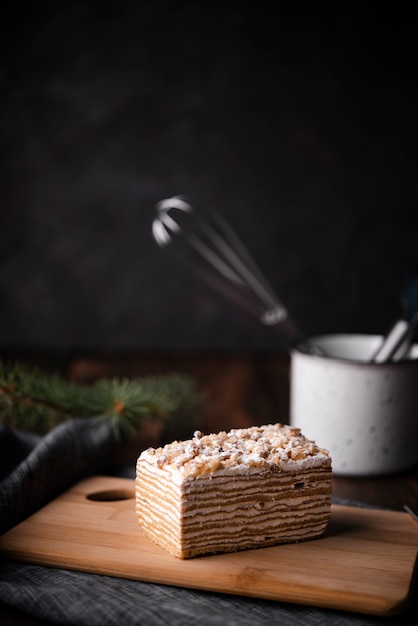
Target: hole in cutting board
[[111, 495]]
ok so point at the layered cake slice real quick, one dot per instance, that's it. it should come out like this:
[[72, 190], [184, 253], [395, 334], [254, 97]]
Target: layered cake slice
[[246, 488]]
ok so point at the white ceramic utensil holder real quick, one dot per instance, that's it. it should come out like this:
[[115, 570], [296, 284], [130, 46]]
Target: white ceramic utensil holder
[[365, 414]]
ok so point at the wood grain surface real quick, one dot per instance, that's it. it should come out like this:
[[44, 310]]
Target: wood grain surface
[[364, 563]]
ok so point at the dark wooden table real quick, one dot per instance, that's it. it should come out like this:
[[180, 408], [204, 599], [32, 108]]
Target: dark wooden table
[[241, 390]]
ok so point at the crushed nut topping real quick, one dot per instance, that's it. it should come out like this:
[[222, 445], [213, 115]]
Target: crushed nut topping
[[255, 447]]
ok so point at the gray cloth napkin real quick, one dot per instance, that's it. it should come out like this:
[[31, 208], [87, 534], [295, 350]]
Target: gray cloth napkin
[[35, 470]]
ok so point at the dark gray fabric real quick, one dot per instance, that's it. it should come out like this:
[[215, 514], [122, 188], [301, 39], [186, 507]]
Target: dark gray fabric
[[34, 470], [39, 469]]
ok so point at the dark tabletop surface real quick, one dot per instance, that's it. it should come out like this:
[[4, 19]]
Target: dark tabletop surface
[[241, 389]]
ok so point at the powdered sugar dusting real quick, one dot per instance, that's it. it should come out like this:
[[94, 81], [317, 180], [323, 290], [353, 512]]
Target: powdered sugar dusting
[[258, 447]]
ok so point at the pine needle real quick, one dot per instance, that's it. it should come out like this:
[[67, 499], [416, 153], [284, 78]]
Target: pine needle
[[33, 400]]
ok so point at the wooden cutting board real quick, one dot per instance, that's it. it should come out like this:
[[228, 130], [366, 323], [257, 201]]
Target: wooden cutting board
[[364, 563]]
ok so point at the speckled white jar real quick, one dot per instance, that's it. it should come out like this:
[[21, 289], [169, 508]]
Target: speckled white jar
[[365, 414]]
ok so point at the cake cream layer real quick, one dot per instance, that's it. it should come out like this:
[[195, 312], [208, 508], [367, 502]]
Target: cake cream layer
[[189, 508], [226, 514], [231, 493]]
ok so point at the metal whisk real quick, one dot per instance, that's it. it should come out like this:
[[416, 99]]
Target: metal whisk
[[212, 250]]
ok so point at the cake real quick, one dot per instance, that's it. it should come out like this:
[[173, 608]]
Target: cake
[[246, 488]]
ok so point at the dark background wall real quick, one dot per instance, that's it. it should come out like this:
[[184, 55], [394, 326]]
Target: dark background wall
[[300, 129]]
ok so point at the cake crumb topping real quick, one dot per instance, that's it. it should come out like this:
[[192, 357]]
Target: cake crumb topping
[[256, 447]]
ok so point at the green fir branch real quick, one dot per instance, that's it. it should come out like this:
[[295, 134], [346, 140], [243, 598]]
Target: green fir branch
[[35, 401]]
